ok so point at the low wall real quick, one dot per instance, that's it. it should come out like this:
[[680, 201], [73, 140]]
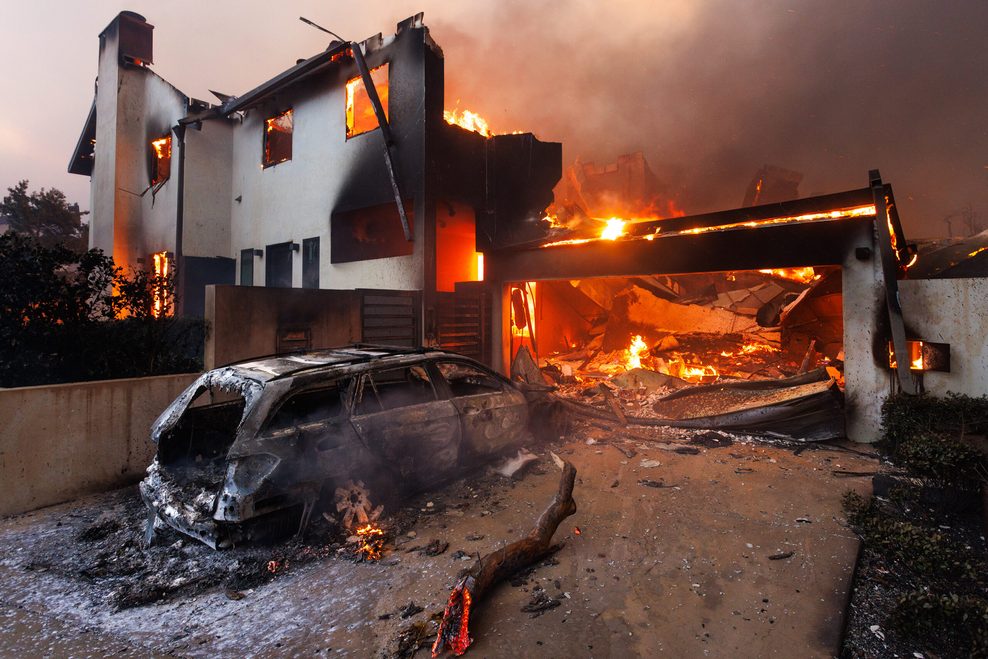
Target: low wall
[[61, 441], [953, 311], [244, 321]]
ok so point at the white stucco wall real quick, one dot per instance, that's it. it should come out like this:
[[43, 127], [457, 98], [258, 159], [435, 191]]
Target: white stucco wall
[[294, 200], [953, 311], [208, 200]]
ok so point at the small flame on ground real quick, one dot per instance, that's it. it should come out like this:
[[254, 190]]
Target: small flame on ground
[[577, 531], [635, 351], [697, 373], [371, 540]]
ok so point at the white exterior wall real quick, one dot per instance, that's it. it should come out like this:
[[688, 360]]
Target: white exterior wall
[[953, 311], [866, 383], [208, 197], [294, 200], [148, 108]]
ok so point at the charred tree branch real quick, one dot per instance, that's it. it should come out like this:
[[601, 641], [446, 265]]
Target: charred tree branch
[[497, 566]]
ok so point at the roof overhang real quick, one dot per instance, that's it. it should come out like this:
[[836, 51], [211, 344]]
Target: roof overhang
[[82, 158]]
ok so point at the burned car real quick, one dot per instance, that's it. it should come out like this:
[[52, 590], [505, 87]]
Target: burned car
[[258, 444]]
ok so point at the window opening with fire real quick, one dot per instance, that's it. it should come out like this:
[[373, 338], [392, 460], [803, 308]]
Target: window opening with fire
[[161, 296], [161, 159], [278, 138], [360, 115]]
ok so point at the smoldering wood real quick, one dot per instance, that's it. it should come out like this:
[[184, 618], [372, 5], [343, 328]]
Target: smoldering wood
[[497, 566]]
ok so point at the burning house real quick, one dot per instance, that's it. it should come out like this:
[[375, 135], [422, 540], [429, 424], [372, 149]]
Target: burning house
[[340, 173], [400, 222]]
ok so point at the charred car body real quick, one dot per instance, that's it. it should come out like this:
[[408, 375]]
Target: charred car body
[[257, 443]]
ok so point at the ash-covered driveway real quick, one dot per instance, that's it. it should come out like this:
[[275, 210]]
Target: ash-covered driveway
[[679, 566]]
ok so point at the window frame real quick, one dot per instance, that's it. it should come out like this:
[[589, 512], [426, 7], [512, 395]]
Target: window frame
[[266, 161], [157, 178], [350, 96]]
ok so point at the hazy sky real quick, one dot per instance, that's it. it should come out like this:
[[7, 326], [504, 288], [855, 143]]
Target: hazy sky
[[709, 89]]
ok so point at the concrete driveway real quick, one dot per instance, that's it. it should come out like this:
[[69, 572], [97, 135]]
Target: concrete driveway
[[682, 567]]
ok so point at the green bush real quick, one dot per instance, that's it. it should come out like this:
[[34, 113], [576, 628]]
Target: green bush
[[960, 620], [925, 551]]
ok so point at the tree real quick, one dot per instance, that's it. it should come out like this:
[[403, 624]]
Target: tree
[[46, 216], [66, 317]]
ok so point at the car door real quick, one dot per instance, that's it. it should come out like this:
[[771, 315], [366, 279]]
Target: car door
[[493, 414], [400, 417]]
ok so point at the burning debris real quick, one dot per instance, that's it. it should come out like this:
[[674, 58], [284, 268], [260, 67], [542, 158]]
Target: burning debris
[[454, 630]]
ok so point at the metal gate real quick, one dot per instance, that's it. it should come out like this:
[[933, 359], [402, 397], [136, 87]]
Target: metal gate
[[390, 317], [464, 321]]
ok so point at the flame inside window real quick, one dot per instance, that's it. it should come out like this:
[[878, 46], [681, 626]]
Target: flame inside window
[[162, 168], [916, 360], [161, 303], [360, 116], [278, 138]]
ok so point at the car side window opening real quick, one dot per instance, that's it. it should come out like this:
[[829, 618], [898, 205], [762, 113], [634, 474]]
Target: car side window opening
[[387, 390], [307, 407], [466, 380]]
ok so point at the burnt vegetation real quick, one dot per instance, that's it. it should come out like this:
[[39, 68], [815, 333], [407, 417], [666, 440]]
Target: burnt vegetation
[[921, 583]]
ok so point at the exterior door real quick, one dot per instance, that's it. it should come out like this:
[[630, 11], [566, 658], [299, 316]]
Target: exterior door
[[278, 266]]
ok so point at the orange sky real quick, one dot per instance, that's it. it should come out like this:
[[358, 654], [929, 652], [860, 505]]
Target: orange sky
[[709, 89]]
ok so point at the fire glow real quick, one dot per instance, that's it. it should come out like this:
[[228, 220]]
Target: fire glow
[[857, 211], [161, 303], [469, 120], [634, 352], [371, 539]]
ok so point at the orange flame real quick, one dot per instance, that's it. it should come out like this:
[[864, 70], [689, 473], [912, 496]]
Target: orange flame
[[161, 304], [697, 373], [635, 350], [804, 275], [613, 230], [468, 120], [371, 540]]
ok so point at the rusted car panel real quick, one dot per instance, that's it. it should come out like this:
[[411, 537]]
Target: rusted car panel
[[263, 440]]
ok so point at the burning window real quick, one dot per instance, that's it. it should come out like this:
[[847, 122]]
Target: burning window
[[360, 116], [278, 138], [161, 152], [160, 285]]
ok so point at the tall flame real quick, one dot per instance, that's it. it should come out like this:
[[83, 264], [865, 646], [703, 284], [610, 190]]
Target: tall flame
[[634, 352]]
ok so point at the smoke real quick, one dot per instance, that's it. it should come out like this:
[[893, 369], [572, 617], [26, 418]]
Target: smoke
[[710, 91]]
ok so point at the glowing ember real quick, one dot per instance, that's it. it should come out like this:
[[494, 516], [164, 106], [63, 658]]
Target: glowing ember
[[469, 120], [634, 352], [371, 539], [577, 531], [750, 348], [273, 566], [697, 373], [978, 251], [454, 632], [804, 275], [613, 230]]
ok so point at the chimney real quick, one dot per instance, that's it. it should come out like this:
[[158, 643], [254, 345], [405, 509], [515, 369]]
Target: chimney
[[134, 38]]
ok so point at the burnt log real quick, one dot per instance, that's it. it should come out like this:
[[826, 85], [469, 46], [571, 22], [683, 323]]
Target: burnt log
[[454, 633]]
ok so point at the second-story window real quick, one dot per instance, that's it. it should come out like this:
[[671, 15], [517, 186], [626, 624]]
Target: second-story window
[[278, 138], [360, 115], [161, 161]]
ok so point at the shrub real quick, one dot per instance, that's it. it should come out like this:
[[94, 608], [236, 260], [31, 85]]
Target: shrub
[[959, 620]]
